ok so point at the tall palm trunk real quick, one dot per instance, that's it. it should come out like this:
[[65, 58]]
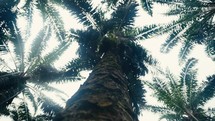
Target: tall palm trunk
[[103, 97]]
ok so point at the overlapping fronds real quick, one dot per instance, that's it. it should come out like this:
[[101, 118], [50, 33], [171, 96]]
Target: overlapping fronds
[[84, 12], [56, 53], [28, 13], [56, 22], [31, 64], [11, 84], [30, 96], [8, 15], [188, 82], [207, 91], [195, 25], [18, 44], [48, 105], [173, 39], [20, 112], [124, 14], [35, 94], [154, 30], [39, 43], [183, 98]]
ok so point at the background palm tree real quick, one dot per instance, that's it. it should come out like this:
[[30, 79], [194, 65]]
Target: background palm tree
[[195, 25], [31, 71], [183, 99]]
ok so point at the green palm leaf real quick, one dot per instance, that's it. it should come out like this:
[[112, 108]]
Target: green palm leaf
[[39, 43], [27, 93], [185, 50], [21, 112], [56, 23], [122, 19], [196, 17], [84, 12], [147, 6], [207, 92], [182, 97], [157, 109]]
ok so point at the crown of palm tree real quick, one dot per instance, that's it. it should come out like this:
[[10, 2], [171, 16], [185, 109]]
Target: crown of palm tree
[[115, 33]]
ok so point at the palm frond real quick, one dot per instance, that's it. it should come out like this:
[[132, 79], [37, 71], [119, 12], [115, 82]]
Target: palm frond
[[185, 50], [197, 16], [20, 112], [28, 8], [45, 74], [47, 87], [27, 93], [10, 86], [177, 94], [45, 103], [173, 38], [210, 49], [164, 94], [84, 12], [187, 71], [168, 1], [76, 66], [134, 59], [7, 17], [155, 30], [157, 109], [18, 46], [4, 66], [42, 7], [147, 6], [56, 22], [23, 112], [48, 105], [39, 43], [188, 79], [207, 92], [121, 19], [56, 53]]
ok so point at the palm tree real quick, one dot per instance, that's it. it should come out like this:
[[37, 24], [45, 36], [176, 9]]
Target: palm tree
[[195, 25], [183, 99], [108, 47], [30, 72]]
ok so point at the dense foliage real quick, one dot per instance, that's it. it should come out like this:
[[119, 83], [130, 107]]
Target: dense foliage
[[183, 98], [27, 74]]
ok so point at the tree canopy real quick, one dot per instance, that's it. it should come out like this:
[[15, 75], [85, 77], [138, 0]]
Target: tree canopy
[[107, 26]]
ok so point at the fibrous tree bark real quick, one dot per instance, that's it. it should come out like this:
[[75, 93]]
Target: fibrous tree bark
[[103, 97]]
